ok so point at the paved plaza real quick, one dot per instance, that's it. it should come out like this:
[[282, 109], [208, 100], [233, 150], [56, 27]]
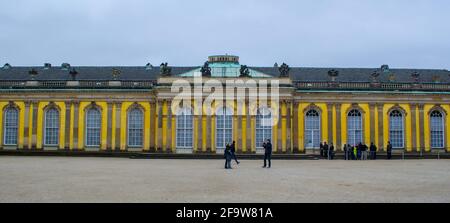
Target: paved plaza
[[88, 179]]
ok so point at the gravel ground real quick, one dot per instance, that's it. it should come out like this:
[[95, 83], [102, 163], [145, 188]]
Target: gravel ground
[[83, 179]]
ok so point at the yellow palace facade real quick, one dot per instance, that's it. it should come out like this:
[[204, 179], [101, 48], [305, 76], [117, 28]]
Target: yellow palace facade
[[133, 109]]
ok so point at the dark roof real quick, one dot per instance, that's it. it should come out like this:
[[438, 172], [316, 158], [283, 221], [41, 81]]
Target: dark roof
[[132, 73], [87, 73], [361, 74]]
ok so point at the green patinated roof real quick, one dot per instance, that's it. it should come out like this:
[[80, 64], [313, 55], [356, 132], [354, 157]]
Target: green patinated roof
[[224, 69]]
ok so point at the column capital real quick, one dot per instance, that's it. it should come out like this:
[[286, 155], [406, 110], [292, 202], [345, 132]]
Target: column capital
[[27, 103], [34, 102]]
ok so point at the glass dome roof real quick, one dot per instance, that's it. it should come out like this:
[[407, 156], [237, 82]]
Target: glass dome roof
[[223, 66]]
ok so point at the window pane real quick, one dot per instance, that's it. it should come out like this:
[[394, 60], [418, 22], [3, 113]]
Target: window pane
[[11, 126], [93, 127], [51, 127]]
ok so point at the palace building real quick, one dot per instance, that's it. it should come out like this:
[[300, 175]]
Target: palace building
[[120, 108]]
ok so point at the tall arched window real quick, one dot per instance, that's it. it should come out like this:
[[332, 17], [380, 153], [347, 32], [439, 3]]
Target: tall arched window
[[312, 129], [11, 126], [437, 129], [396, 129], [184, 128], [93, 127], [224, 127], [135, 127], [51, 131], [263, 126], [354, 127]]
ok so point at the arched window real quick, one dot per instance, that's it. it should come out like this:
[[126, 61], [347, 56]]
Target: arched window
[[396, 129], [135, 127], [263, 126], [184, 128], [93, 127], [312, 129], [51, 130], [437, 129], [354, 127], [11, 126], [224, 127]]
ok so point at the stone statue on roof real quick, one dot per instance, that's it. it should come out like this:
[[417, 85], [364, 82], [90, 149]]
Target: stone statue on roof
[[284, 70], [165, 70], [206, 70], [244, 71]]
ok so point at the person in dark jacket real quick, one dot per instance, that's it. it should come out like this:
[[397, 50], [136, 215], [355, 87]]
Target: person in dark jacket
[[227, 155], [364, 149], [325, 149], [267, 153], [233, 152], [321, 149], [331, 152], [346, 153], [389, 150], [358, 151], [373, 151]]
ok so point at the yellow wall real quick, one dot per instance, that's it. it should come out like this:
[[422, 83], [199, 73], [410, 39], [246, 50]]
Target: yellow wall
[[447, 131], [283, 127], [2, 107], [323, 121], [301, 127]]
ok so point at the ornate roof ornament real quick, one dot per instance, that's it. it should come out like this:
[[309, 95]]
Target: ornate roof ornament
[[385, 68], [65, 66], [375, 74], [333, 74], [275, 65], [33, 73], [116, 73], [6, 66], [148, 66], [436, 79], [73, 73], [415, 75], [391, 77], [244, 71], [165, 70], [206, 70], [284, 70]]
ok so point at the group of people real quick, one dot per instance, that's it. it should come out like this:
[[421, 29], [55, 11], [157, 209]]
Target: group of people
[[327, 151], [354, 152], [351, 152], [230, 154]]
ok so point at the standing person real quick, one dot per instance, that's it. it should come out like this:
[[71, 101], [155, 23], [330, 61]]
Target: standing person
[[227, 155], [355, 153], [373, 151], [325, 149], [364, 152], [321, 149], [389, 150], [358, 151], [346, 152], [267, 153], [331, 152], [233, 152]]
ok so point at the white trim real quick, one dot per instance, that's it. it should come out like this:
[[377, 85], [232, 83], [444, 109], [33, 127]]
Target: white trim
[[305, 130], [86, 128], [128, 128], [179, 113], [45, 127], [4, 127]]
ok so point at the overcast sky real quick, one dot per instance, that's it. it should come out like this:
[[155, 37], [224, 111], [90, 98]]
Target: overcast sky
[[314, 33]]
